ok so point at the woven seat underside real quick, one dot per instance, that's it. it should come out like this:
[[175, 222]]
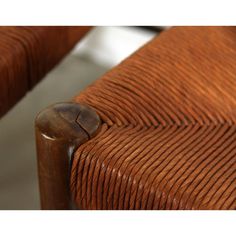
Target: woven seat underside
[[168, 137]]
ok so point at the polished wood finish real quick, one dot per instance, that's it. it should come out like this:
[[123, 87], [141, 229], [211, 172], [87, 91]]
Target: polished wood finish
[[60, 129]]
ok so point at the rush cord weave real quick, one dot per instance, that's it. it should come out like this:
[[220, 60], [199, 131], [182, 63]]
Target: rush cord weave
[[27, 54], [168, 137]]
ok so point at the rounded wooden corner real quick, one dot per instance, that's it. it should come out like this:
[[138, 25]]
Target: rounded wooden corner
[[59, 130]]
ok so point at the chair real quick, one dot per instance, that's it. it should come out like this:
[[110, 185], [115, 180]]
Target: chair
[[27, 54], [156, 132]]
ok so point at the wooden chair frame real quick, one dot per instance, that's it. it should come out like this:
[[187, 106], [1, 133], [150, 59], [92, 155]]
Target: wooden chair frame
[[59, 130]]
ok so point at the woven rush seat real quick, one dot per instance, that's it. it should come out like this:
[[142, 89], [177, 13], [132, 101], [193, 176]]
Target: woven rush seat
[[27, 54], [168, 133]]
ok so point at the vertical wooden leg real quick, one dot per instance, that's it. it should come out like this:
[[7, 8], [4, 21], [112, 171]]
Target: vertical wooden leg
[[60, 129]]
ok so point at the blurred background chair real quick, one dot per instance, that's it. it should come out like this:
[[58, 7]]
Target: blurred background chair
[[27, 54]]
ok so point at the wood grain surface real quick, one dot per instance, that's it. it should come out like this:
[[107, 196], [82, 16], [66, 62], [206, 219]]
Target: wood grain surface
[[59, 130], [168, 137], [27, 54]]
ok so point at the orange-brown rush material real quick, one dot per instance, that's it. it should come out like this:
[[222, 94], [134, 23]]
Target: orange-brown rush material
[[168, 138], [27, 54]]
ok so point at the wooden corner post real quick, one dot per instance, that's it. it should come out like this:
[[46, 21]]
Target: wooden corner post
[[60, 129]]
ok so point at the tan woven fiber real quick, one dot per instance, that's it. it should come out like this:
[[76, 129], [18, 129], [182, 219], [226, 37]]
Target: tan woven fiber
[[168, 138]]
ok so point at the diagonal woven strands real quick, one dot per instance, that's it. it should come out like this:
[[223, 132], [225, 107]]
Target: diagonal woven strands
[[168, 138]]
